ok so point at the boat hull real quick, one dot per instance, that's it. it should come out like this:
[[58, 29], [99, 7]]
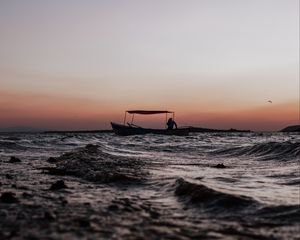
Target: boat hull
[[124, 130]]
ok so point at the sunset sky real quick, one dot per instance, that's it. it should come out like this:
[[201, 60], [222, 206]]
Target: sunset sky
[[80, 64]]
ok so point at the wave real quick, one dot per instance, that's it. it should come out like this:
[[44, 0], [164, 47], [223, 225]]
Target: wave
[[11, 145], [7, 144], [283, 214], [92, 164], [216, 202], [268, 150], [203, 195], [12, 138]]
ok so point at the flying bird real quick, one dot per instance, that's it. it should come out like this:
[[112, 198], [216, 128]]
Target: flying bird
[[270, 101]]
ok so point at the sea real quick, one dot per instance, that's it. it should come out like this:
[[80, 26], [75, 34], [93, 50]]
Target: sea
[[104, 186]]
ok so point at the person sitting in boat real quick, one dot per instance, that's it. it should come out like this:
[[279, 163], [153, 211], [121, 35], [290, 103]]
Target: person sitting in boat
[[171, 124]]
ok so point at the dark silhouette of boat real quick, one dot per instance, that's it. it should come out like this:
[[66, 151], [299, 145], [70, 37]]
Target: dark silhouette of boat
[[132, 129]]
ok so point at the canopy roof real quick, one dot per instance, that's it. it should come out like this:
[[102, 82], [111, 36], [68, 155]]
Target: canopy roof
[[147, 112]]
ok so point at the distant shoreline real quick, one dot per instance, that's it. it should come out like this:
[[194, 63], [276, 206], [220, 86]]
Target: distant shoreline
[[295, 128], [191, 129], [79, 131]]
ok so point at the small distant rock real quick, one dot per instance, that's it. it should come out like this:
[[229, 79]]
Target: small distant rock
[[92, 147], [49, 215], [220, 165], [54, 171], [8, 176], [60, 184], [8, 197], [113, 207], [64, 202], [52, 160], [199, 178], [26, 195], [14, 160], [83, 222], [154, 214], [295, 128]]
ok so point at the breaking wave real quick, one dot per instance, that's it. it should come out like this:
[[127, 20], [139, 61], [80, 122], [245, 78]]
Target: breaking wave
[[92, 164], [282, 150], [216, 202], [201, 194]]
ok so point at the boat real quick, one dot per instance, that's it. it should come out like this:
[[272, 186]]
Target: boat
[[132, 129]]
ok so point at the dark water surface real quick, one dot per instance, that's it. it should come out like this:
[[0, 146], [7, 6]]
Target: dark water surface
[[151, 186]]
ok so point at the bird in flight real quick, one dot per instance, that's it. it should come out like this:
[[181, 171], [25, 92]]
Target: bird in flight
[[270, 101]]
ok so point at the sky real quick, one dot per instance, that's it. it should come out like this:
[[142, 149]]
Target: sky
[[80, 64]]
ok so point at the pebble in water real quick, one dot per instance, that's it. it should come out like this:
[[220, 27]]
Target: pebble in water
[[60, 184], [8, 197], [220, 165], [14, 160]]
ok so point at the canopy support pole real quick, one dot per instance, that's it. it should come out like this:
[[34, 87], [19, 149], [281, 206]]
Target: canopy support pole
[[166, 120], [125, 117], [132, 118]]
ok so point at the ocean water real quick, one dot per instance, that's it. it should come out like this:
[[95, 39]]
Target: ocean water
[[202, 186]]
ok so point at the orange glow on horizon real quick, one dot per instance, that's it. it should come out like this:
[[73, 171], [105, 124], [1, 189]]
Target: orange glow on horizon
[[53, 112], [271, 117]]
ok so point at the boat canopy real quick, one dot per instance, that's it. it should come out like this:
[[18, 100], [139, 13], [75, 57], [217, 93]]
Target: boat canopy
[[147, 112]]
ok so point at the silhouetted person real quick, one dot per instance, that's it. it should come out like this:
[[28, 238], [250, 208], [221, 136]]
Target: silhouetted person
[[171, 124]]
